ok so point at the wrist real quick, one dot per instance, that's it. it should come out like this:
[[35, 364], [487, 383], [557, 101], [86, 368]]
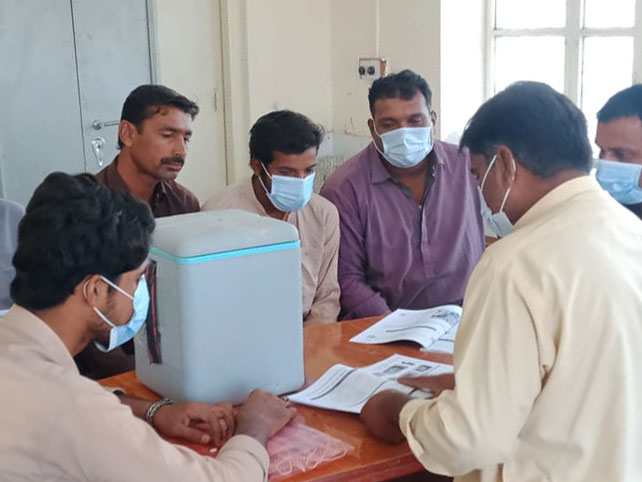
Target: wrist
[[257, 433], [154, 408]]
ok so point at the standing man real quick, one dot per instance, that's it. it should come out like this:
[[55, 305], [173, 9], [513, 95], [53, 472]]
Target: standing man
[[548, 351], [84, 285], [283, 156], [411, 227], [153, 134], [619, 137]]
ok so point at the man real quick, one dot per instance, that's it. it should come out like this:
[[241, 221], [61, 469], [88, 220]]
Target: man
[[547, 351], [411, 229], [84, 285], [153, 134], [10, 215], [283, 153], [619, 137]]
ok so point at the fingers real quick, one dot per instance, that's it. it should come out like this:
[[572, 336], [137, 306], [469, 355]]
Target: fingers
[[193, 434], [417, 382]]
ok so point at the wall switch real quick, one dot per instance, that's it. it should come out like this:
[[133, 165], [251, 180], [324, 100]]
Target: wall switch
[[372, 68]]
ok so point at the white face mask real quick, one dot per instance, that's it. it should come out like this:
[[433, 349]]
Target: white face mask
[[289, 193], [407, 146], [498, 223]]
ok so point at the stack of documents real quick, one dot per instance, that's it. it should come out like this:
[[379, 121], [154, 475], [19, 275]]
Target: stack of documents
[[347, 389], [434, 329]]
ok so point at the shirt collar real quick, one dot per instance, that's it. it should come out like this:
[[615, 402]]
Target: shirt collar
[[557, 196], [37, 333], [378, 171], [115, 181]]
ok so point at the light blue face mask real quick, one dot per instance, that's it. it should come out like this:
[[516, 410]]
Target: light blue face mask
[[289, 193], [406, 147], [120, 334], [621, 180], [498, 222]]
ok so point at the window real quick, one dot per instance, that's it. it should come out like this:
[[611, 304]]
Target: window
[[587, 49]]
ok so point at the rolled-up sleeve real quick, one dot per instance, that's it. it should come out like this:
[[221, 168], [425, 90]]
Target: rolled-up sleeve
[[497, 376]]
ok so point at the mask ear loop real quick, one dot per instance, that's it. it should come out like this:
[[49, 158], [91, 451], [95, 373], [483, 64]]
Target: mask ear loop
[[501, 208]]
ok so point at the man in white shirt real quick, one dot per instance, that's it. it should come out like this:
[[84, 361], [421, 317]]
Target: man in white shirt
[[548, 385], [82, 251]]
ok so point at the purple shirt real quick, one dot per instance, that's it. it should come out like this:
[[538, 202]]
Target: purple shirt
[[395, 253]]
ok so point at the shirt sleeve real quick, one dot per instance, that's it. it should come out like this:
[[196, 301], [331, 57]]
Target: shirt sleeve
[[325, 306], [497, 379], [358, 298], [100, 439]]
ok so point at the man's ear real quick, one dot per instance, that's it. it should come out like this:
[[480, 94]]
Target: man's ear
[[93, 290], [127, 133], [507, 165], [433, 118], [255, 165]]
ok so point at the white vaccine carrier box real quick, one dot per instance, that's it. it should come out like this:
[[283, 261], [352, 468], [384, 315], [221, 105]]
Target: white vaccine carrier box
[[228, 308]]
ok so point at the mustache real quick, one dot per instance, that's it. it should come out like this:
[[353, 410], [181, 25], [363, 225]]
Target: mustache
[[173, 160]]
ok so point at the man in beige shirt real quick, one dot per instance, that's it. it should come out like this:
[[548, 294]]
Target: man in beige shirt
[[548, 385], [283, 151], [82, 251]]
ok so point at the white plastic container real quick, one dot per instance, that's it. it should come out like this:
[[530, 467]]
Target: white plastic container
[[228, 291]]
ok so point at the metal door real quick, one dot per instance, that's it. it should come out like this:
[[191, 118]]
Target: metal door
[[66, 67]]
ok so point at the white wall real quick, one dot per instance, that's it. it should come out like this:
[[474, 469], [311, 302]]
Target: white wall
[[188, 54]]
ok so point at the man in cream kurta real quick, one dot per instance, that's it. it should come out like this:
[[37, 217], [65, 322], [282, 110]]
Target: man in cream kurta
[[318, 226], [80, 263], [58, 425], [547, 358], [283, 156]]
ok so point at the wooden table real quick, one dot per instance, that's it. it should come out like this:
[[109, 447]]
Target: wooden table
[[326, 345]]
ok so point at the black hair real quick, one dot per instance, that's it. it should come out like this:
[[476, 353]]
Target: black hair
[[404, 85], [284, 131], [545, 130], [626, 103], [74, 227], [146, 100]]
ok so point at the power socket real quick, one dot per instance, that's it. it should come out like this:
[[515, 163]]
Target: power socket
[[372, 68]]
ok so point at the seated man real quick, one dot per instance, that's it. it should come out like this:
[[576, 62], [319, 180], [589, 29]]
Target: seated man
[[619, 137], [283, 153], [411, 227], [155, 128], [548, 349], [153, 134], [85, 284], [10, 215]]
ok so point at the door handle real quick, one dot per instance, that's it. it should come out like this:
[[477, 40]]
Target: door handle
[[97, 145], [102, 124]]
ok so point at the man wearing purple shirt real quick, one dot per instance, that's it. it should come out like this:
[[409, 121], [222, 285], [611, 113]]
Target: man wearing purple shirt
[[411, 226]]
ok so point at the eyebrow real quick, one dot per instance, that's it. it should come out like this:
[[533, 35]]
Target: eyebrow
[[175, 130]]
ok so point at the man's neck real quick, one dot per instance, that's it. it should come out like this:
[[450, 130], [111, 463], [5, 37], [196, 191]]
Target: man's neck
[[261, 196], [414, 178], [139, 183], [63, 320]]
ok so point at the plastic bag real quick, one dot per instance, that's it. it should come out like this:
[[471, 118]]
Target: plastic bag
[[298, 448]]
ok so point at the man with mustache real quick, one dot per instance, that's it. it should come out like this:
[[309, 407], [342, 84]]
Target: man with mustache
[[154, 130], [153, 134]]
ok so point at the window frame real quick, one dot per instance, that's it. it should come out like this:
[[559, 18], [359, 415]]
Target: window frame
[[574, 35]]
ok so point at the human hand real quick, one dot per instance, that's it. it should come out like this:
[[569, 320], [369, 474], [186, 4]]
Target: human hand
[[197, 422], [262, 415], [436, 384], [381, 415]]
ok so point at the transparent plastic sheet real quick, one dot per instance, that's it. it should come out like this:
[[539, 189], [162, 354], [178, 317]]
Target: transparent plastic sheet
[[298, 448], [295, 449]]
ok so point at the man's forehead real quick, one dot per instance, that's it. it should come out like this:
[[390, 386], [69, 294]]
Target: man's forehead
[[393, 106], [621, 132]]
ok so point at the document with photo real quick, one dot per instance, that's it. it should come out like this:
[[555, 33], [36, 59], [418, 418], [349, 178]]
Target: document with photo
[[347, 389], [425, 327]]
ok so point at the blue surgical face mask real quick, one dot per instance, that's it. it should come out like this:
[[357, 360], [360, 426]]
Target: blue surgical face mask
[[289, 193], [120, 334], [621, 180], [406, 147], [498, 223]]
